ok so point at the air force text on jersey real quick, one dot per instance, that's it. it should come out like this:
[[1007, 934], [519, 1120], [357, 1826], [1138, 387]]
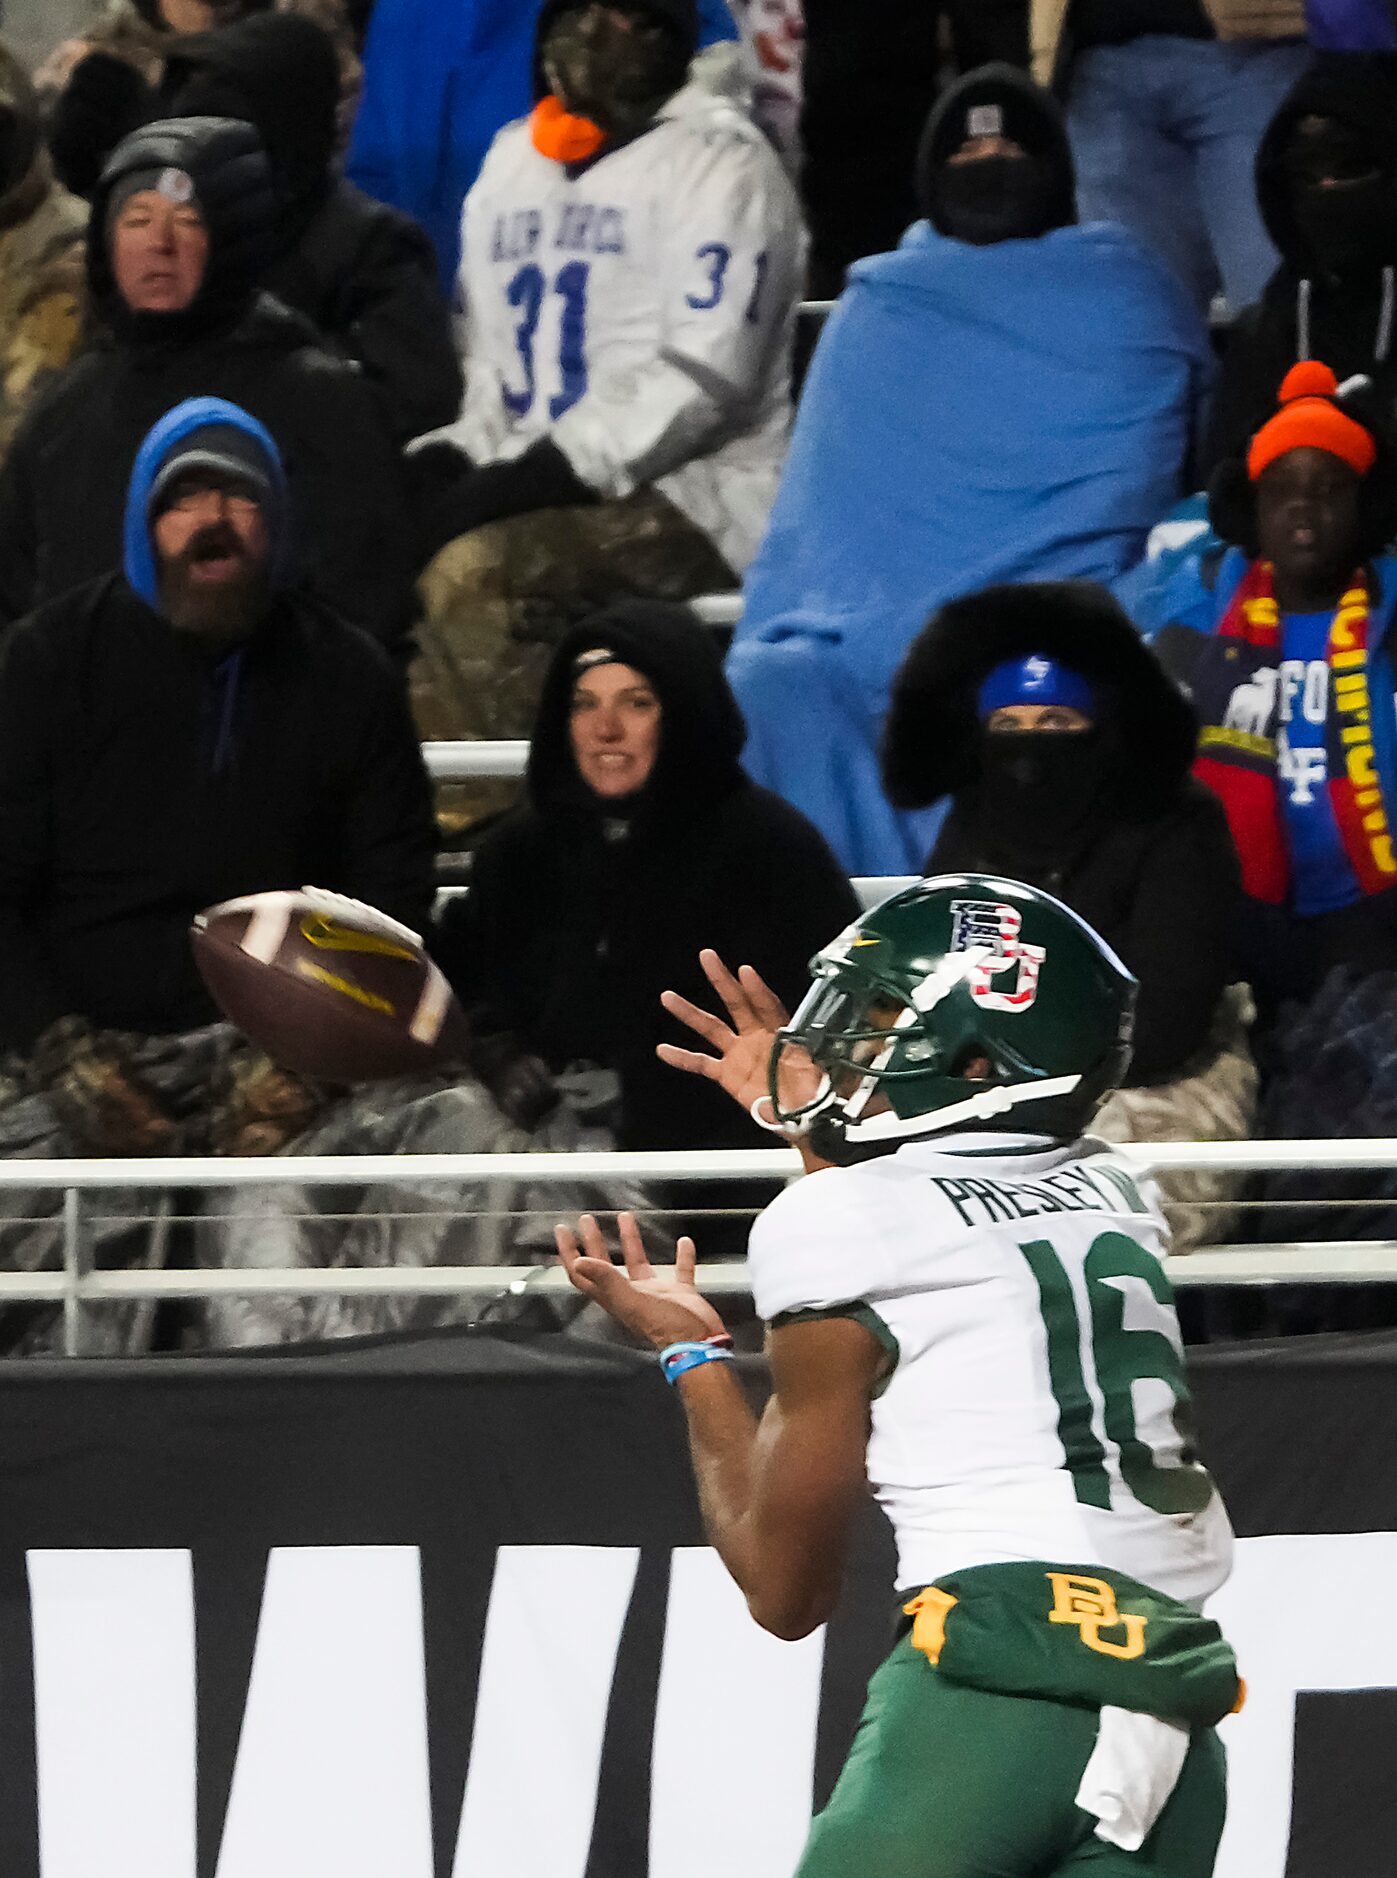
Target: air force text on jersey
[[583, 228]]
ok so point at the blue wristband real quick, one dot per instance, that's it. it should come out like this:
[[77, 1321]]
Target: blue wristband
[[677, 1359]]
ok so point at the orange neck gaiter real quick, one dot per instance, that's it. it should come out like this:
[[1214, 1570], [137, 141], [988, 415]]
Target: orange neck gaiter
[[561, 136]]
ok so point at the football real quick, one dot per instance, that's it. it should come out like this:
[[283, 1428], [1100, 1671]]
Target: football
[[328, 987]]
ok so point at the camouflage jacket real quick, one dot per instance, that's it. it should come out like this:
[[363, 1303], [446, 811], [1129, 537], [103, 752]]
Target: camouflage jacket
[[42, 292], [122, 32]]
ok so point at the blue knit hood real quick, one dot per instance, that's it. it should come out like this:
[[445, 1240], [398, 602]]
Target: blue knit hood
[[162, 442]]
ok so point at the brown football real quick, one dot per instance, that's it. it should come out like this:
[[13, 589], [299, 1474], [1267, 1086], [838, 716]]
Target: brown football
[[327, 986]]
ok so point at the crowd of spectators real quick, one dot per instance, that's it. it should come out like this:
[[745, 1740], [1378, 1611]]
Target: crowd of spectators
[[372, 375]]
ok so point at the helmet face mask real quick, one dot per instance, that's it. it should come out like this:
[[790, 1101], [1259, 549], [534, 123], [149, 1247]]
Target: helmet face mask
[[965, 1001]]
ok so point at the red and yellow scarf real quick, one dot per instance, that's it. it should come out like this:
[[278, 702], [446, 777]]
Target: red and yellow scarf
[[1237, 743]]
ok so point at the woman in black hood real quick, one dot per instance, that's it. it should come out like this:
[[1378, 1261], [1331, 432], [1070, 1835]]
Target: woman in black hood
[[1065, 751], [586, 904]]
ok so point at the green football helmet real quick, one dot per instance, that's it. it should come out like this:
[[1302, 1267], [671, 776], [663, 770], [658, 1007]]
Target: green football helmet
[[965, 1001]]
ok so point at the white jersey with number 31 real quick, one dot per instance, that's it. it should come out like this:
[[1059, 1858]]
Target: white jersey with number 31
[[639, 311], [1037, 1408]]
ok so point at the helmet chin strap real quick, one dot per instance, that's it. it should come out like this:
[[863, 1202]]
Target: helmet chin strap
[[983, 1106]]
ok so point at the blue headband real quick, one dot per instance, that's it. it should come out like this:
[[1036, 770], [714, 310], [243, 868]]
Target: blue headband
[[1035, 680]]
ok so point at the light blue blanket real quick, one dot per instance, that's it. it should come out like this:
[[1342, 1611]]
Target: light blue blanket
[[973, 415]]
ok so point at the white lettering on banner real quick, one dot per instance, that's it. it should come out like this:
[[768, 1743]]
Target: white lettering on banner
[[1307, 680], [747, 1733], [1304, 770], [331, 1778], [551, 1638], [1289, 1612], [114, 1712]]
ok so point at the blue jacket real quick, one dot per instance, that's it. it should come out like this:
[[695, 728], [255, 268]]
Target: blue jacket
[[138, 552], [441, 77], [973, 415]]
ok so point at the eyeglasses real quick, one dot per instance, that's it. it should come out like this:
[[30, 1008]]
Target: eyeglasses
[[207, 495]]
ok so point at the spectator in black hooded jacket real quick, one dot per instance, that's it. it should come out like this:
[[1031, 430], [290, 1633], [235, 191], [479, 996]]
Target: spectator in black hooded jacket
[[362, 273], [1326, 176], [182, 228], [1065, 751], [642, 842]]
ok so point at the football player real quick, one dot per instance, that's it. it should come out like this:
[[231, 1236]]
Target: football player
[[966, 1306]]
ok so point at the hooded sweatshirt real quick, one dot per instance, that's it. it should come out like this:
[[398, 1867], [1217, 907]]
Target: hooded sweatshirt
[[62, 491], [138, 559], [580, 912], [361, 273], [1109, 820], [1045, 397], [143, 778], [41, 244], [1350, 323]]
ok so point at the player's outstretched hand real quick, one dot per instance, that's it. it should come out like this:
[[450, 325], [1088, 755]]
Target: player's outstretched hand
[[659, 1306], [744, 1043]]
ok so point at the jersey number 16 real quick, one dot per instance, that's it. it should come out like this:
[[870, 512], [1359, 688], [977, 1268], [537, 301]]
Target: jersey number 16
[[1120, 1358]]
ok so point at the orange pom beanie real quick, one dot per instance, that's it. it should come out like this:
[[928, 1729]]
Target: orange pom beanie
[[1310, 419]]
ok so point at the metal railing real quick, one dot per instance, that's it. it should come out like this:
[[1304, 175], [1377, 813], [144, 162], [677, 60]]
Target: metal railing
[[78, 1285], [469, 762]]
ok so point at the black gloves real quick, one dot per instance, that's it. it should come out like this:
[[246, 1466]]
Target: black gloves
[[520, 1082], [104, 100], [540, 479]]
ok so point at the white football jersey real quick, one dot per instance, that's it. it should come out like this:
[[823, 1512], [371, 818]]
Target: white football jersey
[[1037, 1409], [640, 312]]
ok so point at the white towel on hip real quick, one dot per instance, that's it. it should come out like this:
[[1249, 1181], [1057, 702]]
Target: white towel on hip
[[1133, 1769]]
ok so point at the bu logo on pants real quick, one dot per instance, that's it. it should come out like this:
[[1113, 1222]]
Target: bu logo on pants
[[1090, 1604]]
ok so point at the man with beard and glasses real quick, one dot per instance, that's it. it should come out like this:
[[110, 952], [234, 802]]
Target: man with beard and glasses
[[190, 728], [632, 258], [1009, 396], [1064, 752]]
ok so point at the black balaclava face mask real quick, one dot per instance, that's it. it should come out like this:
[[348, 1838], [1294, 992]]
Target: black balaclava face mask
[[998, 198], [1040, 789], [618, 75], [1351, 228], [1345, 202]]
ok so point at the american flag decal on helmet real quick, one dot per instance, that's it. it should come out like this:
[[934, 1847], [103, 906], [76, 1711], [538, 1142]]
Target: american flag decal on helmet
[[991, 928]]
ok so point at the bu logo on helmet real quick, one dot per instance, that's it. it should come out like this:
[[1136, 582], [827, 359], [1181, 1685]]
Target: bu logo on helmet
[[990, 928]]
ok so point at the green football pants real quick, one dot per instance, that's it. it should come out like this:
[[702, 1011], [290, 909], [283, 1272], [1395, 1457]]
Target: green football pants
[[948, 1782]]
